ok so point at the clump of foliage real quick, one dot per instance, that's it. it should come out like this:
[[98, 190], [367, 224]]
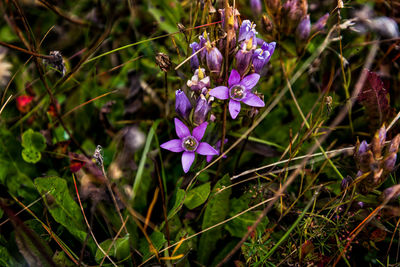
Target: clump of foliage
[[210, 133]]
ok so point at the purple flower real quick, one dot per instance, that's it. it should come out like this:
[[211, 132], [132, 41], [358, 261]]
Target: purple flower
[[201, 111], [320, 24], [256, 6], [247, 28], [260, 59], [214, 58], [199, 80], [194, 60], [363, 147], [182, 104], [245, 54], [270, 47], [304, 28], [203, 40], [189, 143], [217, 147], [239, 91]]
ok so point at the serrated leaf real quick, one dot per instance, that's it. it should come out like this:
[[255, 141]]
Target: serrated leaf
[[197, 196], [31, 155], [216, 211], [61, 205]]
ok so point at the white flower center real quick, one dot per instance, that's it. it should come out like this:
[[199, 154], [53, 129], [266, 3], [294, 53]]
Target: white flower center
[[189, 143], [237, 92]]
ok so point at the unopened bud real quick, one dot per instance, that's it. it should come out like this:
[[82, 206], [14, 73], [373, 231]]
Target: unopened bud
[[321, 22], [214, 60], [194, 60], [304, 28], [182, 104], [201, 111], [256, 6]]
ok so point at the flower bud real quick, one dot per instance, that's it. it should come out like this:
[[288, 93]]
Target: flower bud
[[386, 27], [390, 193], [346, 182], [194, 60], [390, 162], [304, 28], [256, 6], [201, 111], [394, 144], [203, 40], [320, 24], [363, 147], [378, 142], [214, 59], [182, 104], [293, 10]]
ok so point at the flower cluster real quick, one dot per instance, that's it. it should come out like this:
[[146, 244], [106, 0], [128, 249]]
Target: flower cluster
[[292, 16], [373, 165], [193, 104]]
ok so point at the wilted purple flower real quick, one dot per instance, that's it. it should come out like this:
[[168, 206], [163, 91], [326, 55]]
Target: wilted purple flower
[[214, 58], [199, 80], [256, 6], [294, 10], [189, 143], [239, 91], [232, 18], [182, 104], [320, 24], [194, 60], [304, 28], [217, 147], [201, 111]]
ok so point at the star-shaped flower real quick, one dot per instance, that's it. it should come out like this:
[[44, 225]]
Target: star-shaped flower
[[189, 143], [239, 91]]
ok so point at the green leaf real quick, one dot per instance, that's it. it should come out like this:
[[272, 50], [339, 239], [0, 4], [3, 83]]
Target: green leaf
[[158, 240], [179, 196], [33, 140], [61, 205], [61, 259], [197, 196], [216, 211], [31, 155], [239, 226], [119, 250]]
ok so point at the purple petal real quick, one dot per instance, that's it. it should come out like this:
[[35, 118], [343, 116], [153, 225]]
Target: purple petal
[[187, 160], [234, 78], [206, 149], [250, 80], [199, 131], [234, 108], [253, 100], [209, 158], [181, 129], [220, 92], [174, 145]]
